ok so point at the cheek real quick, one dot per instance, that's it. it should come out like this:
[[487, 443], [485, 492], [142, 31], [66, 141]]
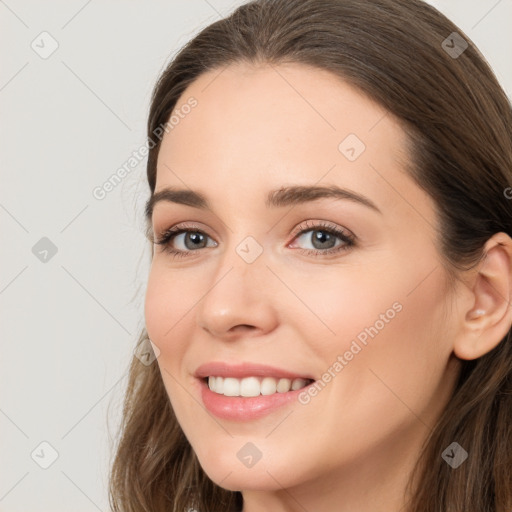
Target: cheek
[[396, 371], [156, 313], [348, 302], [168, 300]]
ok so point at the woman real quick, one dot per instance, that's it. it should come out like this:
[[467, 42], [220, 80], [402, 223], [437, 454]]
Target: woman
[[330, 288]]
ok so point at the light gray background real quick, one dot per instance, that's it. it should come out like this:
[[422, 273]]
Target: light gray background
[[68, 122]]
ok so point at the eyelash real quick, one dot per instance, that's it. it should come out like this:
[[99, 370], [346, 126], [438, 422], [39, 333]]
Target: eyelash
[[166, 237]]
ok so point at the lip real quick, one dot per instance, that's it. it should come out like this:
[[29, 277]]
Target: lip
[[246, 369], [237, 408]]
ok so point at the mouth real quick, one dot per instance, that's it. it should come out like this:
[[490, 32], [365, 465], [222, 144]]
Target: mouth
[[254, 385], [248, 391]]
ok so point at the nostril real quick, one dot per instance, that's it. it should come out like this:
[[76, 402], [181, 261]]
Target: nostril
[[243, 327]]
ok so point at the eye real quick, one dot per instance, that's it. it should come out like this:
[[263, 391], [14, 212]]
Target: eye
[[324, 239], [187, 238]]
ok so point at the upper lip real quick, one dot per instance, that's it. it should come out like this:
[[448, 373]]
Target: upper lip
[[245, 369]]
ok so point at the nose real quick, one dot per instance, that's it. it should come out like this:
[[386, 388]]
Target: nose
[[239, 300]]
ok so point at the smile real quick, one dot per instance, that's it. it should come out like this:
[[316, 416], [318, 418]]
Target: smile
[[254, 386], [245, 391]]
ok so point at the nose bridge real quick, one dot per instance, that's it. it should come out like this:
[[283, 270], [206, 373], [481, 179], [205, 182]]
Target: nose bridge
[[243, 262], [238, 293]]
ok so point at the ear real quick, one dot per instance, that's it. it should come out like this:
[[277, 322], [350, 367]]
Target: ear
[[489, 318]]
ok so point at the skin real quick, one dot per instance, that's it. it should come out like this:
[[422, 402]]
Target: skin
[[352, 447]]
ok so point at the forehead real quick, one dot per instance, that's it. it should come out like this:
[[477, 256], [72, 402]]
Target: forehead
[[269, 107], [260, 127]]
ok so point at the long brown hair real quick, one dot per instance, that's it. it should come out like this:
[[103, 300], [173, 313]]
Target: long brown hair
[[403, 55]]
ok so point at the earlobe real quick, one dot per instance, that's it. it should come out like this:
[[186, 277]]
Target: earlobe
[[489, 319]]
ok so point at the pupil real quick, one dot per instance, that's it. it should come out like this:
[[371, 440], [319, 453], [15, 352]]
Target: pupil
[[196, 239], [323, 237]]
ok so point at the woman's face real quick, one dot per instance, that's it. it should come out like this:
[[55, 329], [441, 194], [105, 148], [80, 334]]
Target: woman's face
[[273, 288]]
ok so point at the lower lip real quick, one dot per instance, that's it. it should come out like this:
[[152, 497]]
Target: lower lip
[[239, 408]]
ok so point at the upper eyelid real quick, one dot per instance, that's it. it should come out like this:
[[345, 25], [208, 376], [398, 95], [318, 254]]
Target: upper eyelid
[[322, 224], [190, 226], [185, 227]]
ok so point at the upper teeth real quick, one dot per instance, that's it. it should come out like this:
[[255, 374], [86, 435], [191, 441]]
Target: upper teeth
[[253, 386]]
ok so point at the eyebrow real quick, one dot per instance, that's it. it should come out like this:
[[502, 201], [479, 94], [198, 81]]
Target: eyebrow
[[284, 196]]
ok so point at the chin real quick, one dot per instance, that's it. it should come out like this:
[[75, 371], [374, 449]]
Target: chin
[[231, 474], [259, 481]]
